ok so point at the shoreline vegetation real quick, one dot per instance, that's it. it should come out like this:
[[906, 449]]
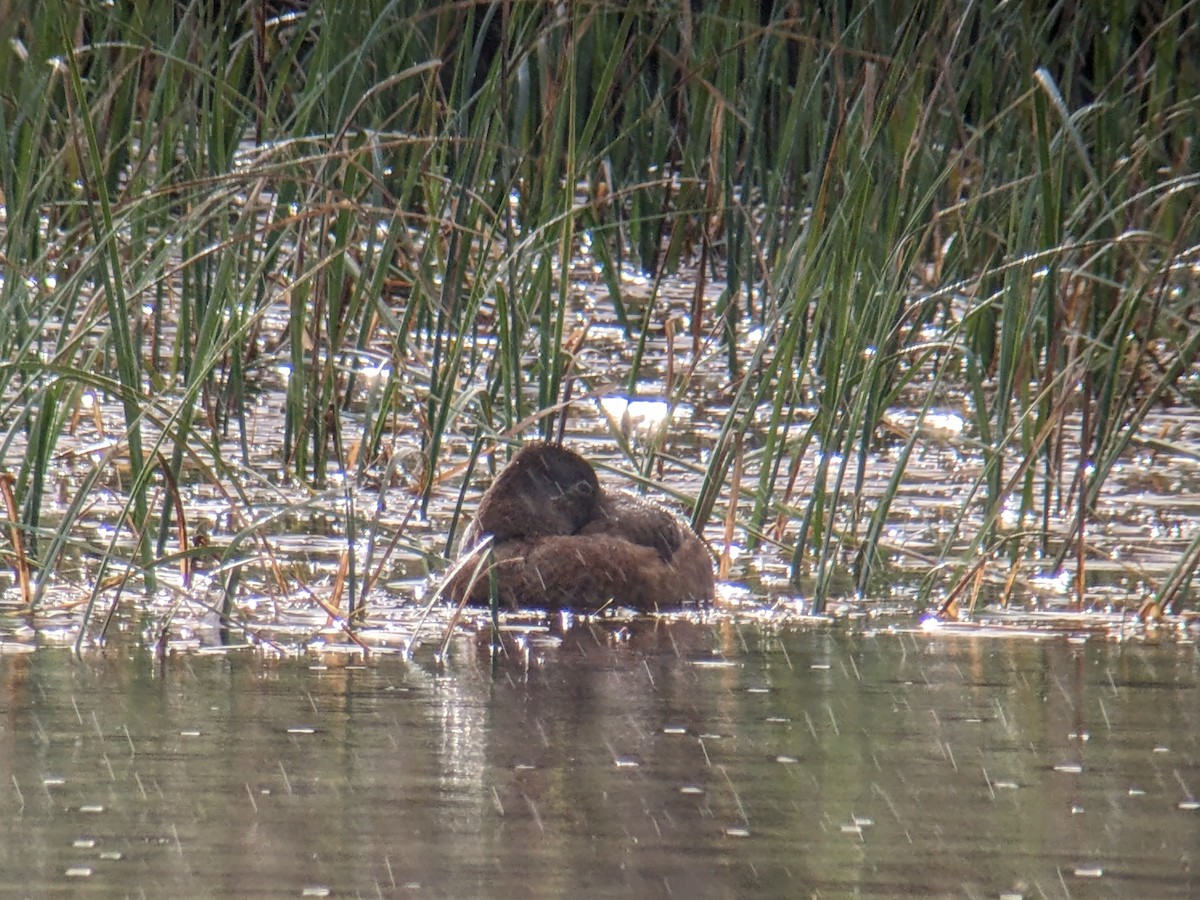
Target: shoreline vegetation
[[379, 209]]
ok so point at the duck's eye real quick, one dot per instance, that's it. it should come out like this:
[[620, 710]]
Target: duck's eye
[[581, 489]]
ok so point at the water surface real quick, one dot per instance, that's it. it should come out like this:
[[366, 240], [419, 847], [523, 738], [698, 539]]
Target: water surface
[[649, 759]]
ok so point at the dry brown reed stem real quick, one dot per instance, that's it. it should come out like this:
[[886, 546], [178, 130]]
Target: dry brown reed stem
[[20, 560], [571, 347], [339, 580], [1010, 583], [185, 562], [373, 577], [949, 606], [331, 607]]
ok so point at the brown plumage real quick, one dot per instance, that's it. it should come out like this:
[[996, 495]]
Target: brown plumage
[[559, 539]]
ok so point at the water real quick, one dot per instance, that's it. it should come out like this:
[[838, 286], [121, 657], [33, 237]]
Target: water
[[652, 758], [277, 544], [1030, 751]]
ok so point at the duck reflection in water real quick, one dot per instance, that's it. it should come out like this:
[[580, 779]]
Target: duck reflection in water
[[559, 539]]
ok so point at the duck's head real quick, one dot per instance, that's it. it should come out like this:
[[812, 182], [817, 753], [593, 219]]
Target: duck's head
[[545, 489]]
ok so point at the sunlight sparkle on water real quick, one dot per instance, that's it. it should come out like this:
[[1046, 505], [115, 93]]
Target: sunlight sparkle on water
[[1010, 513], [635, 416], [376, 371], [943, 424], [630, 275], [1056, 582]]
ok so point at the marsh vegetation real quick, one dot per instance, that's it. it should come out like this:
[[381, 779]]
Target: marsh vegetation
[[911, 290]]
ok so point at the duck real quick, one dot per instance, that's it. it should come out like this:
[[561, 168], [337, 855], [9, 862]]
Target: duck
[[558, 539]]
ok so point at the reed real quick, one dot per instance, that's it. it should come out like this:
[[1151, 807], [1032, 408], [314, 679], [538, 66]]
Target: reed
[[372, 210]]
